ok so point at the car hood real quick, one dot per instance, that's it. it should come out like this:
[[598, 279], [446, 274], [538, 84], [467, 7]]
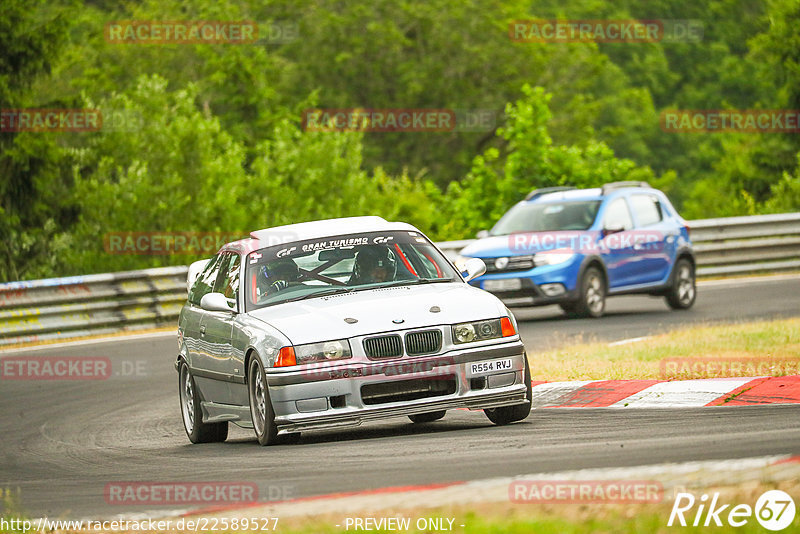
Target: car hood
[[489, 247], [377, 310]]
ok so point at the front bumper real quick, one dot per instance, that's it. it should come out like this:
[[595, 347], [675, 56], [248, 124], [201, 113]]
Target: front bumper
[[531, 282], [534, 295], [333, 398]]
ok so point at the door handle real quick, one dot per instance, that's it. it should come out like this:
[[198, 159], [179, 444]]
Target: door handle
[[202, 330]]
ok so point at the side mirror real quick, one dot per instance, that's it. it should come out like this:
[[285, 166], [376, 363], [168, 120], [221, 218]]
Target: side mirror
[[482, 234], [472, 268], [217, 302], [194, 271], [613, 230]]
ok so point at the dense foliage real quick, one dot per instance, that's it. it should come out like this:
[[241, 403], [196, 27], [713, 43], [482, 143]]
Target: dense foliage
[[211, 138]]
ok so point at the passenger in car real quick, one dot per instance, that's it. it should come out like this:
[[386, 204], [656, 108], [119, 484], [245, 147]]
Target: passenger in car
[[374, 265]]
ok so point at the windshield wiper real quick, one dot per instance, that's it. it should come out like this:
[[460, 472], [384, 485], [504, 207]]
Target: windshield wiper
[[327, 292], [413, 282]]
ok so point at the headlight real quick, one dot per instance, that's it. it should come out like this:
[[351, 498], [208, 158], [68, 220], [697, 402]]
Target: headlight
[[323, 352], [553, 257], [481, 330], [464, 333]]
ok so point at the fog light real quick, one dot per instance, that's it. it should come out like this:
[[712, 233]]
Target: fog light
[[553, 290]]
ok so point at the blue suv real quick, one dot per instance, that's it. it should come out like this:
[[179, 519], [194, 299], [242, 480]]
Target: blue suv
[[575, 247]]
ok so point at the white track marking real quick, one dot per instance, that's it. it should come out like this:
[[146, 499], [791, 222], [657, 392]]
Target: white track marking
[[629, 340], [552, 393], [682, 393]]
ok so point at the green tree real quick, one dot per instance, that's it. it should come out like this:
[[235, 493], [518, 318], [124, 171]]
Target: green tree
[[531, 161], [173, 168], [32, 166]]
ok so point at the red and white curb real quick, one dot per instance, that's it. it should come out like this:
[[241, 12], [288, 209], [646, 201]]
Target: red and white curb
[[747, 391]]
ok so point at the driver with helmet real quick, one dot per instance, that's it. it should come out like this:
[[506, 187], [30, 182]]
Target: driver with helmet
[[276, 276]]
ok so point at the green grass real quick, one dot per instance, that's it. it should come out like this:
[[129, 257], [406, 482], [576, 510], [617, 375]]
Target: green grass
[[555, 519], [10, 507], [777, 341], [506, 517]]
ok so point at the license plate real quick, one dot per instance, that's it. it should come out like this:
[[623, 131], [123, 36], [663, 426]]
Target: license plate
[[489, 366], [507, 284]]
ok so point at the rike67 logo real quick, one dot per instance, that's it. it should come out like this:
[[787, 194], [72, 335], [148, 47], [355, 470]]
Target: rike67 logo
[[774, 510]]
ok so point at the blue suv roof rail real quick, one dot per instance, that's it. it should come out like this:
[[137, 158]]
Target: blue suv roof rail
[[607, 188], [544, 190]]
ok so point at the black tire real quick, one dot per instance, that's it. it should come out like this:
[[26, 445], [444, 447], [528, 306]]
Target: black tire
[[567, 307], [592, 300], [518, 412], [683, 290], [192, 414], [261, 411], [288, 439], [427, 417]]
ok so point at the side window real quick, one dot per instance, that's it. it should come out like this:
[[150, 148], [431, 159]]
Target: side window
[[229, 281], [647, 209], [618, 217], [205, 282]]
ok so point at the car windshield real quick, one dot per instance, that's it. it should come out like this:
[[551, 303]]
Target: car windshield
[[547, 217], [342, 264]]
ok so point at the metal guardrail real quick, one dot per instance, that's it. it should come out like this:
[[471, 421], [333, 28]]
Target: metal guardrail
[[741, 245], [56, 308]]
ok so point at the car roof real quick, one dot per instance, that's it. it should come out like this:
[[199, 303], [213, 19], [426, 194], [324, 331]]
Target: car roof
[[594, 193], [572, 194], [313, 230]]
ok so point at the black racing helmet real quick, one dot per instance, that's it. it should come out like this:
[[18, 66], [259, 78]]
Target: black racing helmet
[[371, 258], [284, 269]]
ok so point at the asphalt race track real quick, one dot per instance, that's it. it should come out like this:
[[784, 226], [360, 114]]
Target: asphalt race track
[[62, 442]]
